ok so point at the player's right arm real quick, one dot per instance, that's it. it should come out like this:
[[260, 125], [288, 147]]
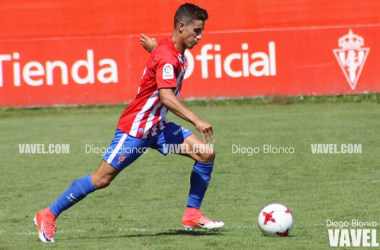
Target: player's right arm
[[171, 102]]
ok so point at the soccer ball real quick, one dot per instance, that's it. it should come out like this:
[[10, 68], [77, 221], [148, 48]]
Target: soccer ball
[[275, 220]]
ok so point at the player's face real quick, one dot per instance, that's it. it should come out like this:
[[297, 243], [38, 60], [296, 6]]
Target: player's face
[[192, 33]]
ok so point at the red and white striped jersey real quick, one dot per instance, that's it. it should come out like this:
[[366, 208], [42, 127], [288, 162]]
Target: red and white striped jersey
[[145, 116]]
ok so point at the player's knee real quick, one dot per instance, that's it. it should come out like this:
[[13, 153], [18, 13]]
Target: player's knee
[[104, 184], [208, 156], [101, 183]]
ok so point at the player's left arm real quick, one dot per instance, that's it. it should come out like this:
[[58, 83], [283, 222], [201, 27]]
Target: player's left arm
[[148, 43], [170, 101]]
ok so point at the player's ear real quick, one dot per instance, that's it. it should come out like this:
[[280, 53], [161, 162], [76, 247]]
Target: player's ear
[[181, 27]]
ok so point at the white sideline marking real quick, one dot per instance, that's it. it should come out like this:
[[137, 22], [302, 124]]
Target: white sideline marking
[[134, 229]]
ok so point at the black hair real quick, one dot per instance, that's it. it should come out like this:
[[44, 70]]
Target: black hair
[[188, 13]]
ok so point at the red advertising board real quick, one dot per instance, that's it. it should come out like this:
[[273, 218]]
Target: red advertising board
[[65, 72], [300, 55]]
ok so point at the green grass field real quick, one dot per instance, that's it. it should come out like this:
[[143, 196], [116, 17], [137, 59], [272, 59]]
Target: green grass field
[[142, 208]]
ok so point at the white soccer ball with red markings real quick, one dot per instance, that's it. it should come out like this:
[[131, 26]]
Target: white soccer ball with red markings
[[275, 220]]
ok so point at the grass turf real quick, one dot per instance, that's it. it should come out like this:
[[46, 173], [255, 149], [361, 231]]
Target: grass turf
[[142, 208]]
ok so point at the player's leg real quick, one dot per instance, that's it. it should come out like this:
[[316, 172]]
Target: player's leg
[[204, 156], [179, 140], [118, 156], [103, 176], [79, 189]]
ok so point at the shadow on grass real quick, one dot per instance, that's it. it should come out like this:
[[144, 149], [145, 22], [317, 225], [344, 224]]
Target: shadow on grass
[[166, 233]]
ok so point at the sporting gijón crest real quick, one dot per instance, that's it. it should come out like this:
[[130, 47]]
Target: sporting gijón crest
[[351, 57]]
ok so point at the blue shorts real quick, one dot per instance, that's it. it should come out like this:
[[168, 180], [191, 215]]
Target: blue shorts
[[125, 149]]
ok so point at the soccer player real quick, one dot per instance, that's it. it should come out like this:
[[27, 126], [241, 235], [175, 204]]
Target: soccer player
[[143, 124]]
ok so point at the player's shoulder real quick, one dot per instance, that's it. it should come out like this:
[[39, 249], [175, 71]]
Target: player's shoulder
[[165, 51], [165, 46]]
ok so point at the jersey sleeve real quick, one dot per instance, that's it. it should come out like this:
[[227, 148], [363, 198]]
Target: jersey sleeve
[[166, 71]]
